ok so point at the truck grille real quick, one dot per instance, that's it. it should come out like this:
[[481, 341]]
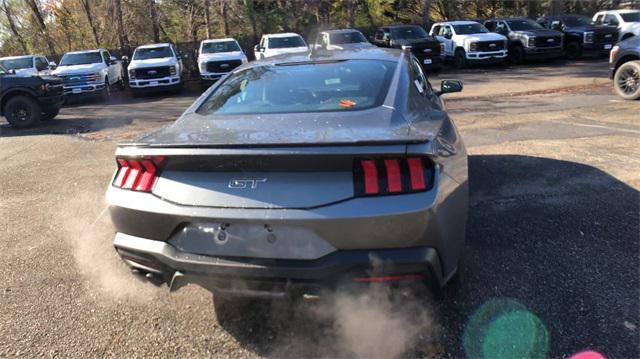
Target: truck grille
[[73, 80], [605, 38], [487, 46], [426, 51], [548, 41], [223, 66], [152, 72]]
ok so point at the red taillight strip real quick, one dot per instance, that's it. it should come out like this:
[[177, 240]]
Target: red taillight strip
[[370, 177], [394, 181], [123, 172], [134, 175], [148, 176], [138, 174], [416, 173]]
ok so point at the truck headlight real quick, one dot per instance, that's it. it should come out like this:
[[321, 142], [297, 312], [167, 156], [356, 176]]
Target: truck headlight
[[203, 67], [613, 54], [245, 60], [531, 41], [588, 37], [132, 74], [473, 47], [172, 70]]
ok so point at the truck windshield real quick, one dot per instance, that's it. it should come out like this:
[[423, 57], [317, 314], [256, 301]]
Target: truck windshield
[[576, 21], [83, 58], [152, 53], [523, 24], [17, 64], [302, 87], [631, 17], [221, 46], [468, 29], [353, 37], [283, 42], [408, 32]]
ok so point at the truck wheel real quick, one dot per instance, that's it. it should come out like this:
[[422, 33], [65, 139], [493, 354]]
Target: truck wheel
[[574, 51], [516, 54], [50, 115], [460, 59], [22, 111], [626, 81]]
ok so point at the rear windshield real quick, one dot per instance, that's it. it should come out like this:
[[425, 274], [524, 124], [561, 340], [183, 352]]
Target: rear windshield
[[153, 53], [523, 24], [81, 59], [408, 32], [347, 38], [17, 64], [221, 46], [631, 17], [468, 29], [283, 42], [302, 87], [576, 21]]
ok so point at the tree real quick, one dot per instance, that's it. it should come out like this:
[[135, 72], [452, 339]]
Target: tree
[[223, 18], [207, 18], [87, 11], [37, 15], [122, 34], [250, 11], [426, 7], [155, 21], [12, 25]]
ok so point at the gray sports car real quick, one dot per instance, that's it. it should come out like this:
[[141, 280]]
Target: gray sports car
[[297, 173]]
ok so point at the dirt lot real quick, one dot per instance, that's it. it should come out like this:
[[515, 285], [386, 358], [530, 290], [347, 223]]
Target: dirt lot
[[553, 240]]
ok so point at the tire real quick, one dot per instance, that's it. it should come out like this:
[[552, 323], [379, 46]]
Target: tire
[[626, 80], [460, 59], [106, 93], [50, 115], [574, 51], [516, 54], [22, 111]]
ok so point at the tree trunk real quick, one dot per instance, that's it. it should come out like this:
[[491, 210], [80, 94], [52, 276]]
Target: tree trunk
[[399, 6], [43, 28], [12, 26], [367, 11], [207, 18], [426, 9], [530, 9], [155, 20], [122, 34], [223, 16], [249, 9], [86, 6], [351, 12], [479, 9], [556, 7]]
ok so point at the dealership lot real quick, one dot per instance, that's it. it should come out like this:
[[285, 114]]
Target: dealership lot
[[553, 237]]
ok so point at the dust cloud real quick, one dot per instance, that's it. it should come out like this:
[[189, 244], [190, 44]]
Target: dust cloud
[[89, 232]]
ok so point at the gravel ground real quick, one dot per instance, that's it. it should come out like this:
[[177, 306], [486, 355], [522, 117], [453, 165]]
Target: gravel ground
[[551, 267]]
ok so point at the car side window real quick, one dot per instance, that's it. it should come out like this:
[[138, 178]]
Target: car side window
[[501, 27], [599, 19], [262, 43], [436, 30], [446, 31], [490, 25], [611, 20], [105, 57], [378, 35], [41, 64]]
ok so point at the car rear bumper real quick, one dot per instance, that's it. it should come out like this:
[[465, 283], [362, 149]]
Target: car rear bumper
[[278, 277]]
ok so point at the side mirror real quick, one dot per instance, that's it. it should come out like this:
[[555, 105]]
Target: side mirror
[[52, 65], [450, 86], [256, 48]]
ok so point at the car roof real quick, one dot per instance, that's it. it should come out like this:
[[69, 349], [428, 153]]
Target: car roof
[[148, 46], [621, 11], [18, 57], [282, 34], [338, 31], [208, 41], [457, 22], [368, 53]]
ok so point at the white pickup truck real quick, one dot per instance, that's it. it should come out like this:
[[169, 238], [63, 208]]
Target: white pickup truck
[[469, 41], [218, 57], [155, 67], [90, 72], [28, 65], [278, 44], [627, 21]]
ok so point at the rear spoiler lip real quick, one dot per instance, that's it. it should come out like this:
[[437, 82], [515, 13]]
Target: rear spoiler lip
[[363, 148]]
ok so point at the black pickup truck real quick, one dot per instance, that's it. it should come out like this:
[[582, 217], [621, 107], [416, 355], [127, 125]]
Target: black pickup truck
[[26, 100], [581, 36], [527, 39], [428, 50]]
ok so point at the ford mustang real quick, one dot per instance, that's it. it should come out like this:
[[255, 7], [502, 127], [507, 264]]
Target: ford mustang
[[295, 174]]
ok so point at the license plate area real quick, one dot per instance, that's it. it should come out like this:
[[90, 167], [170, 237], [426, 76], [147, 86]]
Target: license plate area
[[76, 91], [154, 83], [427, 61], [608, 46]]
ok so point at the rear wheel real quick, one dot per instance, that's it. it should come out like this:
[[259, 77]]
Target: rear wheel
[[460, 59], [22, 111], [626, 81], [50, 115], [574, 51], [516, 54], [106, 93]]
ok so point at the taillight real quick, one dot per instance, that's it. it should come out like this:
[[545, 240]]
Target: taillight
[[392, 176], [137, 174]]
